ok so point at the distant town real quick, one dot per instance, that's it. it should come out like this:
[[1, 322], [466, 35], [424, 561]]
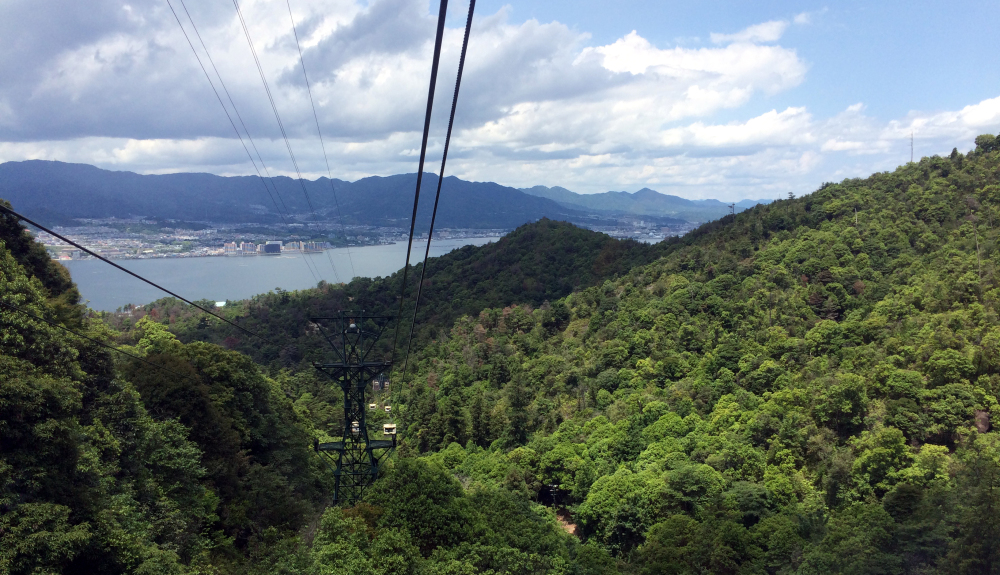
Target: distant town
[[140, 238], [116, 238]]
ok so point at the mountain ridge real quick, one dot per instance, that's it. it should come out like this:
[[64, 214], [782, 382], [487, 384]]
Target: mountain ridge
[[60, 192], [644, 202]]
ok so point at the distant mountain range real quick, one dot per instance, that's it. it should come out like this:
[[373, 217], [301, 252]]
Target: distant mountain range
[[645, 202], [58, 193]]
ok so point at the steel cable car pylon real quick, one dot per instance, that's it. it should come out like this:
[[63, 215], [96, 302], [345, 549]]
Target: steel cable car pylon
[[352, 335]]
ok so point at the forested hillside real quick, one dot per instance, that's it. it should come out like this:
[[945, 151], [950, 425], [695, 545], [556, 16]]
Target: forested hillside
[[807, 387], [189, 458], [538, 262]]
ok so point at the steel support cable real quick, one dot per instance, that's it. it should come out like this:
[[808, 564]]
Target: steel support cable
[[329, 172], [442, 12], [231, 122], [281, 126], [314, 274], [131, 273], [274, 108], [238, 116], [98, 342], [218, 97], [437, 195]]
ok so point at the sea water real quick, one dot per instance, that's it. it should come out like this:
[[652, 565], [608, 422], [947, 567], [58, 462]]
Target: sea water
[[222, 278]]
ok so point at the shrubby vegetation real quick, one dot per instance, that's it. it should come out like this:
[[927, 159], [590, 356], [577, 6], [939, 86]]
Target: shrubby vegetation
[[809, 387]]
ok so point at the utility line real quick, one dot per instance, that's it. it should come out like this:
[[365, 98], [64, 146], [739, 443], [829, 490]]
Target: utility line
[[231, 122], [98, 342], [131, 273], [442, 12], [274, 108], [329, 172], [437, 196]]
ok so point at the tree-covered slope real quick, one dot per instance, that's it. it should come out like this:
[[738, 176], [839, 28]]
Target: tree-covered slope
[[535, 263], [186, 458], [108, 464], [809, 387]]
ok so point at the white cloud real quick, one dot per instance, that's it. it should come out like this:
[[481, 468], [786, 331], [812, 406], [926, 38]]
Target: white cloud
[[540, 103], [854, 133], [838, 145], [767, 68], [965, 123], [763, 32], [789, 127], [648, 90]]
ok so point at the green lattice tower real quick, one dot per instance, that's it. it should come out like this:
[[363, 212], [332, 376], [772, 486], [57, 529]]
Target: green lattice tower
[[352, 335]]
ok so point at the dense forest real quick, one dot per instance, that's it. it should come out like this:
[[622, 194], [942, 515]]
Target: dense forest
[[807, 387]]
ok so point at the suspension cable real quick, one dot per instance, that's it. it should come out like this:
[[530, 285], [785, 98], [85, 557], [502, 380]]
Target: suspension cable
[[131, 273], [437, 195], [442, 13], [281, 126], [326, 159], [236, 110], [231, 122]]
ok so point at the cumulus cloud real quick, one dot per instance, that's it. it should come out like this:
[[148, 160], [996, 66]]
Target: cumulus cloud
[[116, 85], [965, 123]]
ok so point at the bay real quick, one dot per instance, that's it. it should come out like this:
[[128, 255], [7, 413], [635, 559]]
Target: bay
[[105, 288]]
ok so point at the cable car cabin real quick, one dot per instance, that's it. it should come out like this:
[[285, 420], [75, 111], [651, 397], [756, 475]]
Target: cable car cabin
[[372, 406], [389, 429], [355, 427], [388, 408]]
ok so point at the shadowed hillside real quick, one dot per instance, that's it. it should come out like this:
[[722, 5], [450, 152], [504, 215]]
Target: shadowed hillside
[[58, 192]]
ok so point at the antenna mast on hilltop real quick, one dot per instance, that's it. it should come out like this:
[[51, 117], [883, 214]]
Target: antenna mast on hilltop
[[911, 147]]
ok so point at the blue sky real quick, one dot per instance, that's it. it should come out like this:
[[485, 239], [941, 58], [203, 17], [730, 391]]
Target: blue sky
[[727, 100], [894, 56]]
